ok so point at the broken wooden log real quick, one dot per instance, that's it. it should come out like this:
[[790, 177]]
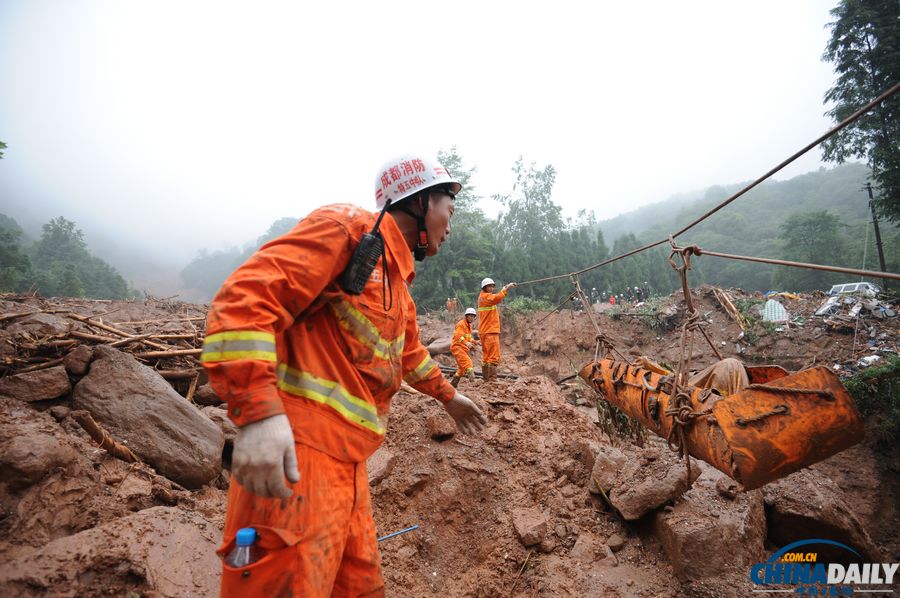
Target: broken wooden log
[[102, 438], [128, 341], [116, 331], [41, 366], [175, 353]]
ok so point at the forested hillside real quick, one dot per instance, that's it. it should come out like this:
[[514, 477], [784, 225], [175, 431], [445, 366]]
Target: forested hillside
[[820, 217], [59, 263]]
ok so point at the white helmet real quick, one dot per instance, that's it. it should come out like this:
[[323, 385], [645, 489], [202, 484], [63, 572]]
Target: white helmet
[[470, 311], [486, 282], [406, 175]]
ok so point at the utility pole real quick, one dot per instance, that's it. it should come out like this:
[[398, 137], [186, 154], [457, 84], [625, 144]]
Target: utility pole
[[868, 188]]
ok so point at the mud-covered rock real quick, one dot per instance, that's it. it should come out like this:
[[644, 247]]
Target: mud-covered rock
[[59, 412], [161, 551], [807, 504], [589, 549], [205, 395], [78, 360], [650, 482], [615, 542], [380, 465], [219, 416], [530, 526], [138, 407], [705, 534], [440, 426], [32, 445], [41, 385], [607, 466], [41, 325]]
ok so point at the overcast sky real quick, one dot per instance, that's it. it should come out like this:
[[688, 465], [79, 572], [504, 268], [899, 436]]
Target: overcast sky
[[181, 124]]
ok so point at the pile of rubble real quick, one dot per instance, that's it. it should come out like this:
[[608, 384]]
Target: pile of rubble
[[842, 311], [113, 472]]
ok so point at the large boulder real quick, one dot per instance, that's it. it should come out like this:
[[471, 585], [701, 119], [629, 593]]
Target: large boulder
[[41, 325], [807, 504], [161, 551], [646, 483], [31, 445], [41, 385], [139, 408], [706, 535], [440, 346]]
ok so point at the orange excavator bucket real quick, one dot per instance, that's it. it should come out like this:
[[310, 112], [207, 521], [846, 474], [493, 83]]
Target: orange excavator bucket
[[780, 423]]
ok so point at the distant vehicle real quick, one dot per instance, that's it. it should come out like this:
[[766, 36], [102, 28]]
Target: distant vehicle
[[866, 289]]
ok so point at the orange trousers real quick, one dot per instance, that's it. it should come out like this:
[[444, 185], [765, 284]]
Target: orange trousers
[[320, 542], [490, 348], [463, 361]]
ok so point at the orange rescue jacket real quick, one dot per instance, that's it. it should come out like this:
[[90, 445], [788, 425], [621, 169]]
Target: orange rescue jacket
[[488, 316], [283, 337], [462, 335]]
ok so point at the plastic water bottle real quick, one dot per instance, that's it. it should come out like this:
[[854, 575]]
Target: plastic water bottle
[[245, 551]]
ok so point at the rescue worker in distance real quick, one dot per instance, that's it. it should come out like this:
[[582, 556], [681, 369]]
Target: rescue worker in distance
[[460, 345], [489, 326], [308, 371]]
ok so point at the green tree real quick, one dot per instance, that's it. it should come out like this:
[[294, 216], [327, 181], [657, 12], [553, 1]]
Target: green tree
[[66, 281], [813, 237], [64, 265], [60, 242], [2, 147], [529, 231], [15, 267], [865, 50]]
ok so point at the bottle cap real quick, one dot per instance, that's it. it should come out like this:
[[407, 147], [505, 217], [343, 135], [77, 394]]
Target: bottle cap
[[246, 536]]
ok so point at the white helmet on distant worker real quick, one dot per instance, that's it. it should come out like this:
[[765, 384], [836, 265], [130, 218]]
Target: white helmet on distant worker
[[486, 282], [405, 175], [470, 311]]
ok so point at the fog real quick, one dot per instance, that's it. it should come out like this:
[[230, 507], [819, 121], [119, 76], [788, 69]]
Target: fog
[[166, 127]]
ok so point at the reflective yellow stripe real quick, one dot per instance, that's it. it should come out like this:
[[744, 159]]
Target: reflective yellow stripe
[[233, 355], [241, 335], [332, 394], [246, 344], [356, 323], [491, 308], [422, 371]]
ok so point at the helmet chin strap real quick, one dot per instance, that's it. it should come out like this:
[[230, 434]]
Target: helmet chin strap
[[421, 247]]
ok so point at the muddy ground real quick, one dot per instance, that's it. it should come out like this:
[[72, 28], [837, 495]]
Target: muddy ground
[[507, 512]]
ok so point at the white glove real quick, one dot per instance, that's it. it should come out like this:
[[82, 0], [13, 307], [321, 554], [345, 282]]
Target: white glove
[[264, 455], [468, 417]]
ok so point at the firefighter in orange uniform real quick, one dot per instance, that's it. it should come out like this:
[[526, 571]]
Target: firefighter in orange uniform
[[461, 344], [489, 326], [307, 361]]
